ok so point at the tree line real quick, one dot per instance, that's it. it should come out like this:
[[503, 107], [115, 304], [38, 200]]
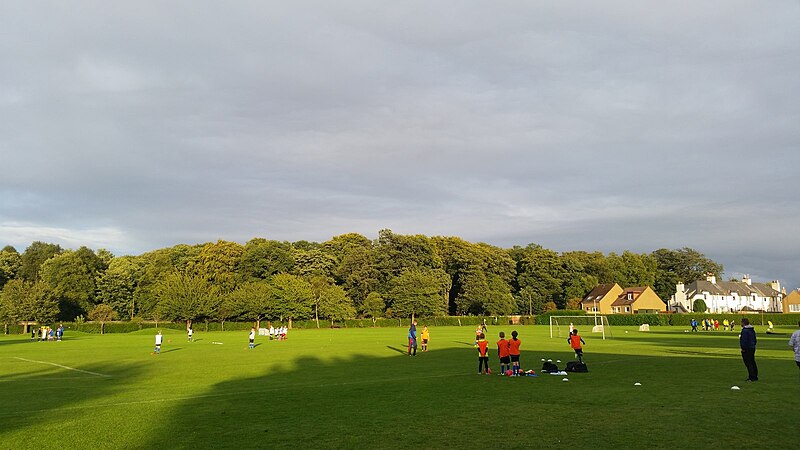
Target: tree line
[[348, 276]]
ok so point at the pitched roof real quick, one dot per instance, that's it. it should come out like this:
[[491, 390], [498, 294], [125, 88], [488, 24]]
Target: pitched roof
[[623, 299], [598, 292], [740, 288]]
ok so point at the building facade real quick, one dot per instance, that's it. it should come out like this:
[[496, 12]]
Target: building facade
[[729, 296]]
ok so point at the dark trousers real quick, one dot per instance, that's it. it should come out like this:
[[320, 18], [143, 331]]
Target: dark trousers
[[412, 346], [483, 361], [749, 358]]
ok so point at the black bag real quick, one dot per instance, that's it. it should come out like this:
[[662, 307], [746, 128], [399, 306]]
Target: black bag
[[549, 367], [576, 366]]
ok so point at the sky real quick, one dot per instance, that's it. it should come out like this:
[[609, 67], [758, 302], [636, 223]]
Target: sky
[[598, 126]]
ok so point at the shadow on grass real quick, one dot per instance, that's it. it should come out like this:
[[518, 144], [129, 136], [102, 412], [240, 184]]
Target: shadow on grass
[[435, 400], [398, 350]]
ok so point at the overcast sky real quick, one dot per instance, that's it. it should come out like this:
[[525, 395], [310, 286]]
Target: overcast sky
[[578, 125]]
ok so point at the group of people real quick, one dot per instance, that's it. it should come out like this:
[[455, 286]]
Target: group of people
[[277, 333], [412, 338], [508, 351], [708, 324], [44, 334]]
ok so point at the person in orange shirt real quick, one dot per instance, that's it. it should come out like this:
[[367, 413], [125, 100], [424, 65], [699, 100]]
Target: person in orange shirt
[[426, 335], [513, 352], [502, 354], [575, 342], [483, 354]]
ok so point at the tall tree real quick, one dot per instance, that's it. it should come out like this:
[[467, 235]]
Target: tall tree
[[331, 302], [540, 271], [116, 286], [27, 301], [293, 295], [416, 292], [72, 281], [263, 258], [373, 306], [217, 262], [102, 313], [10, 262], [395, 253], [34, 256], [683, 265], [253, 301], [186, 297]]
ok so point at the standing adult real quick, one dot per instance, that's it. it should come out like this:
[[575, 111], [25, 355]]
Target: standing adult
[[747, 342], [794, 342], [412, 339]]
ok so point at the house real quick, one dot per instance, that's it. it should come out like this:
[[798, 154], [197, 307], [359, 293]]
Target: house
[[729, 296], [599, 300], [791, 303], [638, 300]]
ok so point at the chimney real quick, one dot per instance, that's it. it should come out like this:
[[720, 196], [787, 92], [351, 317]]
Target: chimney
[[679, 287], [746, 279], [775, 285], [711, 278]]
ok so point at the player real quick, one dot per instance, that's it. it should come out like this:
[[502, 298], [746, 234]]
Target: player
[[190, 332], [575, 342], [513, 352], [252, 344], [502, 354], [426, 335], [794, 342], [159, 339], [483, 355], [412, 339]]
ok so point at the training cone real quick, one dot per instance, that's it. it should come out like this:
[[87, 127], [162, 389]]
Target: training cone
[[565, 379], [637, 384], [734, 388]]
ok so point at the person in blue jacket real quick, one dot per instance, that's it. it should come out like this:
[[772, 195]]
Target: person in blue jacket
[[747, 342], [412, 339]]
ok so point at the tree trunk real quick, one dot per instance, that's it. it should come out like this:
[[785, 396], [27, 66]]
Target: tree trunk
[[316, 314], [188, 324], [258, 323], [222, 324], [290, 323]]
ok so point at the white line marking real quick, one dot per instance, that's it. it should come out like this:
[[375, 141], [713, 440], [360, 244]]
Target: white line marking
[[63, 367]]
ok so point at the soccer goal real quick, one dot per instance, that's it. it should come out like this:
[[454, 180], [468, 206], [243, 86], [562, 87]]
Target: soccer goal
[[561, 326]]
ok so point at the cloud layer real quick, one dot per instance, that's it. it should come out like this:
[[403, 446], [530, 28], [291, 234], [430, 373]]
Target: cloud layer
[[603, 126]]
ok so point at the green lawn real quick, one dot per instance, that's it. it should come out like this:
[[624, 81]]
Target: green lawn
[[348, 388]]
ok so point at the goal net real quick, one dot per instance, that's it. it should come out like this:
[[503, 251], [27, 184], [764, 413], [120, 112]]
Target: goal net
[[561, 326]]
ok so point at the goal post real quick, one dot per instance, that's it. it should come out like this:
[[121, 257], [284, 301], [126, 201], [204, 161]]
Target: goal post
[[560, 326]]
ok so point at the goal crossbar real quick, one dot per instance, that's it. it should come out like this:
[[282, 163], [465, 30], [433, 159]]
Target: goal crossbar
[[599, 323]]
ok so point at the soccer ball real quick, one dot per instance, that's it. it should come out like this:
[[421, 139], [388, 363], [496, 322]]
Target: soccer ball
[[509, 373]]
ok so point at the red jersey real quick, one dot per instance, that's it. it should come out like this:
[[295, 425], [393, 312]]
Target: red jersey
[[502, 348], [575, 341], [513, 347], [483, 348]]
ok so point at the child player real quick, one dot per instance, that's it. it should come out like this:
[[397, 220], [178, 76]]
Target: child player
[[159, 339], [425, 336], [252, 338], [575, 342], [513, 352], [502, 354], [483, 354]]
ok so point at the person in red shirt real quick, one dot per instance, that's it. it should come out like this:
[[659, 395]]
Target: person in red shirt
[[483, 354], [513, 352], [575, 342], [502, 354]]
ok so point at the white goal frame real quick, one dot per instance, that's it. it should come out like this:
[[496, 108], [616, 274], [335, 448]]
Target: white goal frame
[[597, 320]]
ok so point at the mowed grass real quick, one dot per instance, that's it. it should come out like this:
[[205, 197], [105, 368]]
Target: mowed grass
[[356, 388]]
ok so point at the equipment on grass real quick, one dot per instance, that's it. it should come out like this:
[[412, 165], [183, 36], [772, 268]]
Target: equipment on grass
[[637, 384], [565, 379], [734, 388], [598, 323], [549, 367], [509, 373], [577, 366]]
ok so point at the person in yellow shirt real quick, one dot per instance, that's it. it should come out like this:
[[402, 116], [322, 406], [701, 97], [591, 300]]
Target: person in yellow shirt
[[725, 324], [425, 336]]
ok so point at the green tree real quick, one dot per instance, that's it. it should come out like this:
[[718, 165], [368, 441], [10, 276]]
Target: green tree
[[373, 306], [217, 262], [632, 269], [116, 286], [315, 262], [253, 301], [332, 303], [10, 262], [34, 256], [263, 258], [293, 295], [540, 272], [699, 306], [395, 253], [186, 297], [26, 301], [102, 313], [356, 270], [72, 281], [684, 265], [416, 293]]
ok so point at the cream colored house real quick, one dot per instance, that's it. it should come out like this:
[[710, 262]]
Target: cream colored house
[[599, 300], [730, 296], [638, 300]]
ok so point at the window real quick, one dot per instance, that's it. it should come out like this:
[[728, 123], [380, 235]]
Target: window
[[794, 308], [627, 309]]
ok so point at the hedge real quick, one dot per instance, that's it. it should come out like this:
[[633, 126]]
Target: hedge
[[467, 321]]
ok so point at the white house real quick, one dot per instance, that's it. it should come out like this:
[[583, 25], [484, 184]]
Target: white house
[[729, 296]]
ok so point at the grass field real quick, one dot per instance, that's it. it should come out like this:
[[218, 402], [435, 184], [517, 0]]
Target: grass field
[[348, 388]]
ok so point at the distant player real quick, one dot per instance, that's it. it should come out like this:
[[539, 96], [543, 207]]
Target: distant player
[[483, 355], [513, 352], [190, 333], [252, 338], [794, 342], [575, 342], [502, 354], [159, 339], [426, 335]]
